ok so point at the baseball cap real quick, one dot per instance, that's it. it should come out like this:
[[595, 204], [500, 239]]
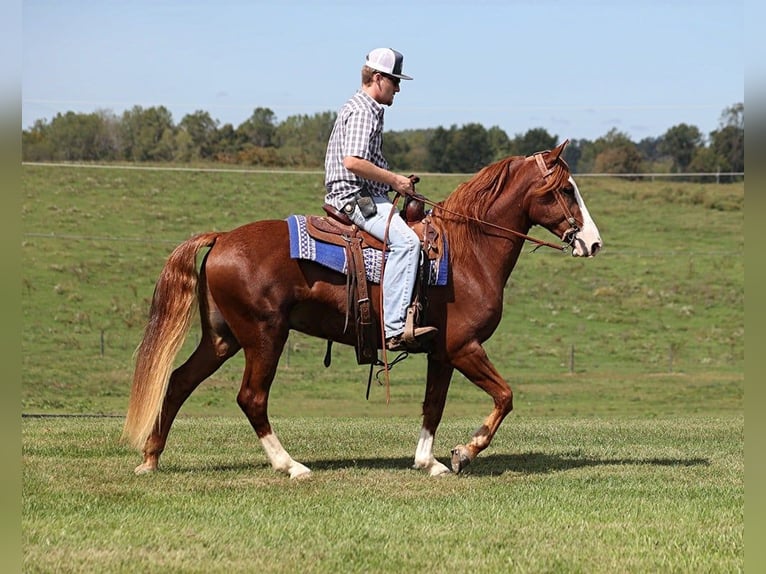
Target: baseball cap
[[387, 61]]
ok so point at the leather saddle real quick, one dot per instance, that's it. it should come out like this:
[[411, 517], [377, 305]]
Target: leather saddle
[[337, 229]]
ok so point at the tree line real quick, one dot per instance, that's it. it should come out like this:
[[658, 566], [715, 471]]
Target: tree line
[[150, 135]]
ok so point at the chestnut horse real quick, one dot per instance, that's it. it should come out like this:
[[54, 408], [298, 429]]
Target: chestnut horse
[[251, 293]]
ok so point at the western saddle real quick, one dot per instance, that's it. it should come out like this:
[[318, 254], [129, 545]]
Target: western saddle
[[337, 229]]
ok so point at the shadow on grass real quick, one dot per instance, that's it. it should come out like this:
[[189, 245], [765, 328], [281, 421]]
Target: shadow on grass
[[525, 463], [494, 464], [543, 463]]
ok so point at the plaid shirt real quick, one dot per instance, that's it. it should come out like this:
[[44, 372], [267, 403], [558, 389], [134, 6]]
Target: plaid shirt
[[358, 131]]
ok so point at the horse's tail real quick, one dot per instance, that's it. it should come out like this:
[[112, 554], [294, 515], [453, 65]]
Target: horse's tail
[[173, 305]]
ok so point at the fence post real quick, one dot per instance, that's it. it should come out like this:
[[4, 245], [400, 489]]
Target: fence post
[[288, 353], [571, 359], [670, 358], [102, 342]]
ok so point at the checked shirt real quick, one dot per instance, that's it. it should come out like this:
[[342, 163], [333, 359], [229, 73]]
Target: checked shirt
[[358, 131]]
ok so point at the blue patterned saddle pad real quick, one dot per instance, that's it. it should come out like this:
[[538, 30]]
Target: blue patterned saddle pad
[[303, 246]]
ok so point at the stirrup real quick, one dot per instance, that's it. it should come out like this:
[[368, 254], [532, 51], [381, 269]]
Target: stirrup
[[412, 333], [414, 343]]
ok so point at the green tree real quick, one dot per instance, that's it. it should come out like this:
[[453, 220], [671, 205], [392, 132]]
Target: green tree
[[396, 150], [35, 142], [650, 149], [573, 153], [108, 144], [302, 139], [147, 134], [259, 129], [616, 153], [581, 155], [705, 160], [416, 142], [499, 142], [229, 143], [680, 143], [469, 149], [80, 137], [728, 141], [203, 134], [532, 141], [437, 160]]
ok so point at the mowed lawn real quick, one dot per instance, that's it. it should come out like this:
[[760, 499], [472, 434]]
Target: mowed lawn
[[575, 494]]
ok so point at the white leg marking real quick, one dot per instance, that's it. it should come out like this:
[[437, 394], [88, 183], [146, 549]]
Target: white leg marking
[[280, 460], [424, 455]]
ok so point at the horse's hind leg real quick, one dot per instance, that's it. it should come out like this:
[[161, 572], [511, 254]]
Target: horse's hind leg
[[216, 346], [202, 363], [262, 352]]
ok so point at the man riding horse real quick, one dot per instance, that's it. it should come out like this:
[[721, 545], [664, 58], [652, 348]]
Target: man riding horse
[[357, 179]]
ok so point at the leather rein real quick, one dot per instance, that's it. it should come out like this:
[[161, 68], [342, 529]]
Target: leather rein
[[569, 234]]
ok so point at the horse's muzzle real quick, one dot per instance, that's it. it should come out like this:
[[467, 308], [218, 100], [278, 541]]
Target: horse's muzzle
[[582, 247]]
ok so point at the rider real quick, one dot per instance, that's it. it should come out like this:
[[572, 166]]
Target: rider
[[357, 180]]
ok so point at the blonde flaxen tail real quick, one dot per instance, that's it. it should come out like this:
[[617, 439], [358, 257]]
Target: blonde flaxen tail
[[173, 306]]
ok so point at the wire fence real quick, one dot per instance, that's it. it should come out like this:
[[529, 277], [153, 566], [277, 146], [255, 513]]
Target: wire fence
[[717, 176]]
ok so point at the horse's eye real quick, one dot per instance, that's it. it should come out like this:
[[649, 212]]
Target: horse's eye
[[569, 190]]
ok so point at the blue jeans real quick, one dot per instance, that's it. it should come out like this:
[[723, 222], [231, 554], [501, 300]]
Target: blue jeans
[[401, 264]]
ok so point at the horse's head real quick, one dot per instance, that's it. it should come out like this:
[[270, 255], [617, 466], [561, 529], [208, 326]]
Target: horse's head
[[557, 205]]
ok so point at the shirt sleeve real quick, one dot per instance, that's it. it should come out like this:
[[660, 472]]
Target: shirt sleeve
[[359, 129]]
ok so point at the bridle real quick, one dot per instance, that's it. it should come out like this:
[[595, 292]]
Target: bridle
[[568, 237]]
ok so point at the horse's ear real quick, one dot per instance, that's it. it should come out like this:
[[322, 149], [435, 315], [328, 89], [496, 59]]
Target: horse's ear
[[559, 149]]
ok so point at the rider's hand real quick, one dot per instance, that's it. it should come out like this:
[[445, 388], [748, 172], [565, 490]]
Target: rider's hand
[[403, 185]]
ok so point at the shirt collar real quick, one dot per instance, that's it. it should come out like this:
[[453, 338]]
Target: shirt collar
[[376, 107]]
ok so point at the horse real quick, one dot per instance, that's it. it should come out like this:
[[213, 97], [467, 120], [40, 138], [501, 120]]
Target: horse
[[250, 294]]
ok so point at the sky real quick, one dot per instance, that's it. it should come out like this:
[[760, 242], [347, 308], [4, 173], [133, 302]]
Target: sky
[[576, 68]]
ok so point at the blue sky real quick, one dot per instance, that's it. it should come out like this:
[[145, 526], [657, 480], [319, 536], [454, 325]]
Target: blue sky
[[577, 68]]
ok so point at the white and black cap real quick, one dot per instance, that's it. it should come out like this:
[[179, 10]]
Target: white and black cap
[[387, 61]]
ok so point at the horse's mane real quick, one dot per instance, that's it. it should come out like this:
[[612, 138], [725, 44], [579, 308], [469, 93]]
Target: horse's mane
[[474, 198]]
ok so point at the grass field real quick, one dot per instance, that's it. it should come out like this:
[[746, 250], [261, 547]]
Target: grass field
[[553, 494], [665, 299], [625, 451]]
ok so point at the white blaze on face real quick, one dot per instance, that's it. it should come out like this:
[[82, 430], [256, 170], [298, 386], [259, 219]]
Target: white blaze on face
[[587, 241]]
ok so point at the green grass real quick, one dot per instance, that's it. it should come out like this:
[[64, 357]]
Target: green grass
[[625, 451], [551, 495], [664, 302]]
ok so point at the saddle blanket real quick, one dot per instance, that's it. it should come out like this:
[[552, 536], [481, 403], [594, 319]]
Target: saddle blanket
[[303, 246]]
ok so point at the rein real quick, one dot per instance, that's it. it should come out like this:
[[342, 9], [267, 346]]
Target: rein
[[539, 242]]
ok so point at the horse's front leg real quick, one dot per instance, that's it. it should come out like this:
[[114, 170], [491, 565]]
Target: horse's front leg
[[476, 366], [437, 385]]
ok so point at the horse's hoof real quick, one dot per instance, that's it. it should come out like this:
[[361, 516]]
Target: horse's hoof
[[299, 472], [432, 467], [460, 459], [439, 469], [145, 468]]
